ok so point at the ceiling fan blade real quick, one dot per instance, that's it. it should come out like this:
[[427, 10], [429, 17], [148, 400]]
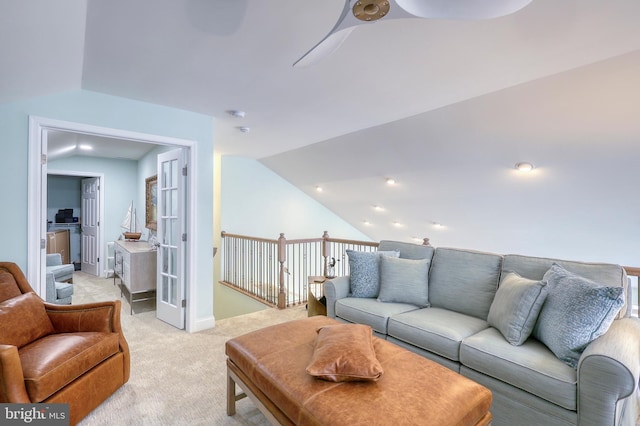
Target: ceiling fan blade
[[397, 9], [331, 41], [327, 46], [461, 9]]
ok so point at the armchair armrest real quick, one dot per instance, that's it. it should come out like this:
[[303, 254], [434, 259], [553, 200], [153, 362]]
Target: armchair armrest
[[54, 259], [13, 389], [334, 289], [608, 372], [98, 316]]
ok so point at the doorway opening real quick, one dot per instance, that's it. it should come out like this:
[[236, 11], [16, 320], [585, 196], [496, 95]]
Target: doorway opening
[[81, 232], [39, 131]]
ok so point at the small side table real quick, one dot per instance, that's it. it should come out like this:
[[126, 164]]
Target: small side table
[[315, 293]]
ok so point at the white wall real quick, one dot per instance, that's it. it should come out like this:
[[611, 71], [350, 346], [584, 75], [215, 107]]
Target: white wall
[[257, 202], [252, 200]]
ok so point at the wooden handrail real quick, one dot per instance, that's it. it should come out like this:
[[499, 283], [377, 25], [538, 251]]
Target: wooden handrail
[[246, 237], [632, 270]]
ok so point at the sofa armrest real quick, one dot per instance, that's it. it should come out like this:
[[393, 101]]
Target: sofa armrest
[[50, 292], [334, 289], [11, 377], [54, 259], [608, 372]]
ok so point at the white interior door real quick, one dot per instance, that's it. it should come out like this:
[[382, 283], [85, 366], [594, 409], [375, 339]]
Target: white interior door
[[170, 297], [90, 224]]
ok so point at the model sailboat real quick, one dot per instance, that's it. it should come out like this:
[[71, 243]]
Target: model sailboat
[[131, 225]]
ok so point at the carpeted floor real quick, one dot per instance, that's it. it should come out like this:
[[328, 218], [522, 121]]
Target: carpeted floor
[[177, 378]]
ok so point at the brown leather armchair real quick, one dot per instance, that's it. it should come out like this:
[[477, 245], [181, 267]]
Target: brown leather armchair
[[55, 353]]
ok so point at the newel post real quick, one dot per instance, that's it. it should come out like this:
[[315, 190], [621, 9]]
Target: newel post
[[326, 252], [282, 258]]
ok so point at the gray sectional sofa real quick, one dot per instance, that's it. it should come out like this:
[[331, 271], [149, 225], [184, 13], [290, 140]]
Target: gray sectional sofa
[[458, 318]]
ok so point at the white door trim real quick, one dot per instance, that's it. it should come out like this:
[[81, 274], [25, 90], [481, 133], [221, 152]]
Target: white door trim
[[38, 128]]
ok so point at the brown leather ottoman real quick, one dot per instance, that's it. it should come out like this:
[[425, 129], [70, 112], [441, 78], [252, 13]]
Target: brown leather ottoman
[[269, 365]]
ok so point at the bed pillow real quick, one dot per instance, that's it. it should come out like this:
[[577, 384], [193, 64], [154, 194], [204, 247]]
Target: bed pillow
[[364, 271], [576, 312], [516, 306], [404, 281], [344, 353]]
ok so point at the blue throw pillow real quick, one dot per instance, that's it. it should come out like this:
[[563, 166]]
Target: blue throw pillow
[[404, 281], [576, 312], [516, 306], [364, 272]]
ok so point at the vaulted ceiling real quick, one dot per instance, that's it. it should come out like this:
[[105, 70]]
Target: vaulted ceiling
[[444, 107]]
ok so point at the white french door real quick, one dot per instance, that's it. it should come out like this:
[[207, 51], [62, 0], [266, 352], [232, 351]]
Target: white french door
[[90, 240], [170, 297]]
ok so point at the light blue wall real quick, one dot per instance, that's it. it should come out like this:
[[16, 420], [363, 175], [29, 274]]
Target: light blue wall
[[117, 187], [63, 192], [113, 112], [257, 202]]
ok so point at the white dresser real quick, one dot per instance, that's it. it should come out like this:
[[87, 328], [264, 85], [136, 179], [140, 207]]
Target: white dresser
[[135, 265]]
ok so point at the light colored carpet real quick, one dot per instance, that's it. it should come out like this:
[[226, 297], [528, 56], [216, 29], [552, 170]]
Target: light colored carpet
[[177, 378]]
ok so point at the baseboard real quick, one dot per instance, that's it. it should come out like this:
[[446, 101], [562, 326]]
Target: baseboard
[[202, 324]]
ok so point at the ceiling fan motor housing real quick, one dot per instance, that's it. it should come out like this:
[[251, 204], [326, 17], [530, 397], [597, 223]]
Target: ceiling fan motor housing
[[370, 10]]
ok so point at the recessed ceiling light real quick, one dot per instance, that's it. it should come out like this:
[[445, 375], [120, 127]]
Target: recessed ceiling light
[[85, 147], [391, 181], [438, 225], [319, 188], [398, 224], [244, 129], [366, 223], [524, 167], [236, 113], [378, 208]]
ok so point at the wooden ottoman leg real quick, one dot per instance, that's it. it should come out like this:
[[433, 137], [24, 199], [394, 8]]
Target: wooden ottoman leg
[[231, 394]]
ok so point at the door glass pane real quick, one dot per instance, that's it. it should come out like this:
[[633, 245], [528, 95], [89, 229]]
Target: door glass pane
[[165, 174], [174, 202], [174, 173], [174, 232], [173, 268], [164, 259], [165, 288], [174, 292]]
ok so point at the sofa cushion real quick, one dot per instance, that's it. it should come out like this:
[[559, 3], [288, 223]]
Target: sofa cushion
[[407, 250], [344, 353], [464, 281], [531, 366], [534, 268], [24, 320], [404, 281], [69, 356], [516, 306], [364, 272], [370, 311], [8, 286], [576, 312], [437, 330]]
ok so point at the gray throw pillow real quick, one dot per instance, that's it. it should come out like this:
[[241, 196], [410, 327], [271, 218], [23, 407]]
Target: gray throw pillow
[[404, 281], [576, 312], [516, 306], [364, 272]]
